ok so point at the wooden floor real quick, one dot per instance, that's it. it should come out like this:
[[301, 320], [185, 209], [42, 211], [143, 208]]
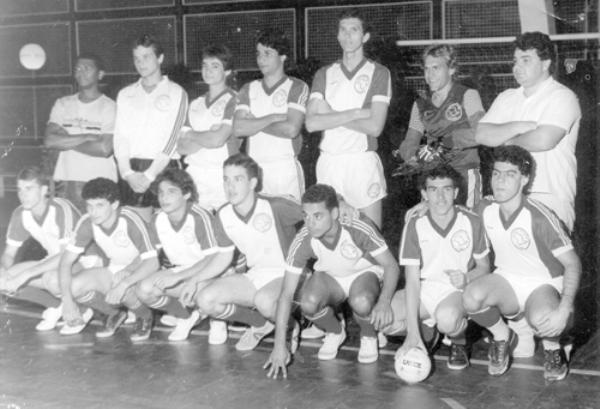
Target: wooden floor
[[50, 371]]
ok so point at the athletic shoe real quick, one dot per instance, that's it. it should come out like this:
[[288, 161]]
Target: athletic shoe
[[500, 353], [312, 332], [217, 333], [431, 338], [526, 346], [113, 322], [458, 359], [251, 338], [331, 344], [143, 328], [295, 337], [184, 326], [556, 366], [50, 318], [382, 340], [86, 317], [168, 320], [368, 351], [130, 318]]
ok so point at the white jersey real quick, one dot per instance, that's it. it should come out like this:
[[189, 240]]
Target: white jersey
[[53, 231], [128, 239], [353, 251], [190, 241], [556, 169], [76, 117], [529, 242], [256, 98], [343, 90], [426, 245]]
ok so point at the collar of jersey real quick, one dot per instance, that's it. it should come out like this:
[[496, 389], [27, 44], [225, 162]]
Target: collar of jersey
[[507, 223], [246, 218], [178, 225], [268, 90], [160, 84], [437, 228], [351, 74], [210, 102], [44, 215], [112, 228], [336, 240]]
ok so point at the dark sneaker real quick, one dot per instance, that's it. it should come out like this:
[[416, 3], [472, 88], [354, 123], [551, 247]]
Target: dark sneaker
[[431, 338], [143, 327], [556, 366], [113, 322], [500, 353], [459, 358]]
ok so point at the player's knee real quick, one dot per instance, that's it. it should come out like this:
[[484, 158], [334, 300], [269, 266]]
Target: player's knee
[[473, 299], [144, 289], [206, 300], [266, 305], [448, 320], [361, 304], [536, 316], [310, 304]]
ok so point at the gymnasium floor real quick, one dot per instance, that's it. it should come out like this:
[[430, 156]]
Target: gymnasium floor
[[50, 371]]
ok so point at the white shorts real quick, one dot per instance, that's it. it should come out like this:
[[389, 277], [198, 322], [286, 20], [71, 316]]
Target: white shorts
[[346, 281], [524, 285], [260, 276], [209, 183], [283, 178], [358, 177], [432, 293]]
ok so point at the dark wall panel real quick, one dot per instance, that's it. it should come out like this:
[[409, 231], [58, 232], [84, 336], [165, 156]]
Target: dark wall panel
[[481, 18], [87, 5], [32, 7]]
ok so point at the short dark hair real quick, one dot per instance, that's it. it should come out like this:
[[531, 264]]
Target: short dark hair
[[34, 173], [148, 41], [252, 168], [539, 42], [440, 172], [276, 39], [445, 51], [220, 52], [179, 178], [357, 14], [519, 157], [92, 57], [101, 188], [321, 193]]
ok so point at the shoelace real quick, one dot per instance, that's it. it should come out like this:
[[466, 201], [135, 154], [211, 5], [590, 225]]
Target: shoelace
[[498, 351], [555, 360], [454, 351]]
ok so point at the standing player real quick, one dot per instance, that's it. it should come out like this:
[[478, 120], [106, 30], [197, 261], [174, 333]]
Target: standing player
[[349, 102], [123, 236], [187, 235], [150, 114], [51, 223], [442, 251], [448, 113], [537, 270], [270, 111], [208, 143], [81, 127], [262, 229], [351, 261]]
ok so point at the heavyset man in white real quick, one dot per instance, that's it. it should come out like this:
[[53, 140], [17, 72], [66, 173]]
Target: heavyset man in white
[[349, 101]]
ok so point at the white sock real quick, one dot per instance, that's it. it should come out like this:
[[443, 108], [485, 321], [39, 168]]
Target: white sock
[[500, 331], [550, 345]]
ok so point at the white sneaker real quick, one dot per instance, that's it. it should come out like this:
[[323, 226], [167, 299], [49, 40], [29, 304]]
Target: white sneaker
[[217, 333], [312, 332], [50, 318], [77, 328], [526, 345], [368, 352], [251, 338], [331, 344], [184, 326], [131, 318], [382, 340], [168, 320]]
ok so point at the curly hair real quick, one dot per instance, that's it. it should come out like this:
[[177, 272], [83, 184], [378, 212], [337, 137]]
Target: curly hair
[[101, 188], [321, 193], [440, 172], [519, 157], [220, 52], [277, 40], [539, 42], [179, 178]]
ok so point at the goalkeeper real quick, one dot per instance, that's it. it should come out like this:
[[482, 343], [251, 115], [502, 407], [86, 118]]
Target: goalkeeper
[[447, 115]]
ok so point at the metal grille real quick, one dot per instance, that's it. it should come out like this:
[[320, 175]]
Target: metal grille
[[237, 30], [112, 40], [480, 18], [86, 5]]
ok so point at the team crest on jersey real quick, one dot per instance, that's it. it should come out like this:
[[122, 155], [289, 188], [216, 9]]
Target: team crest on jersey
[[162, 103], [361, 84], [120, 239], [189, 237], [453, 112], [218, 109], [262, 222], [279, 98], [349, 250], [460, 241], [374, 190], [520, 238]]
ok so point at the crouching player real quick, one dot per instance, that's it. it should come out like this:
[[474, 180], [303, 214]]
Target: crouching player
[[49, 221], [124, 237], [537, 270], [442, 250], [351, 261], [187, 235]]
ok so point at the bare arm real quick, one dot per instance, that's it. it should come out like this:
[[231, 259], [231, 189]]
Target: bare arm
[[542, 138], [409, 146], [374, 123], [482, 267], [192, 141], [493, 135], [98, 145], [320, 116], [214, 267], [245, 124], [571, 278], [288, 128], [413, 302], [8, 257]]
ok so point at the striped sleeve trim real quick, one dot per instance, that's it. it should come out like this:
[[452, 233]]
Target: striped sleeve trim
[[373, 235], [242, 107], [316, 95], [208, 225], [296, 243], [409, 262], [482, 254], [67, 209], [14, 243], [74, 249], [552, 219], [179, 122], [381, 98], [297, 107], [141, 227]]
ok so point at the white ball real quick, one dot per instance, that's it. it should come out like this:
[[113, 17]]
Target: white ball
[[32, 56], [414, 366]]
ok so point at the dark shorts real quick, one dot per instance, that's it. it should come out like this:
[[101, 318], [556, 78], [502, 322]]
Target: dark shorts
[[148, 198]]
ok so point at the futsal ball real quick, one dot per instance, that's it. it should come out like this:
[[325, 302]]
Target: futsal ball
[[32, 56], [414, 366]]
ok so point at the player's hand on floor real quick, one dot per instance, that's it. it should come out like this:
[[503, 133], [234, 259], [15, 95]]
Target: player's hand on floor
[[411, 341], [278, 362], [382, 315]]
